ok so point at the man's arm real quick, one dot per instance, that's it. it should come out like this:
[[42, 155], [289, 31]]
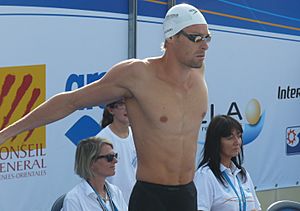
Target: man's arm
[[109, 88]]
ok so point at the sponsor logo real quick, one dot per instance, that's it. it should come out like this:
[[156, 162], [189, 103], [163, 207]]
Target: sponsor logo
[[293, 140], [288, 93], [252, 120], [255, 121], [193, 11], [22, 90], [86, 126]]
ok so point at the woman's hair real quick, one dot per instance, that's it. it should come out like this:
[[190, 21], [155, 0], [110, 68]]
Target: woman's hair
[[221, 126], [86, 153], [107, 117]]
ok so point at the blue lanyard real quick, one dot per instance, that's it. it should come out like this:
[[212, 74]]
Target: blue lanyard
[[243, 201], [100, 200]]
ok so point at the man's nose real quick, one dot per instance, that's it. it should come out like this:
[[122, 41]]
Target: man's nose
[[204, 45]]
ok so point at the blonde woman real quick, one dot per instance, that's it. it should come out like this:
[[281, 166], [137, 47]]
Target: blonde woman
[[95, 160]]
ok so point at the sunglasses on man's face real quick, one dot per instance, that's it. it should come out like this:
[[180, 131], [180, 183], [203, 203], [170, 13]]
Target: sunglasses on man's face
[[109, 157], [196, 38]]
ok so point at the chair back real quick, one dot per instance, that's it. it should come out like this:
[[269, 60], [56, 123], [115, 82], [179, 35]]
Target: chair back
[[284, 205], [58, 204]]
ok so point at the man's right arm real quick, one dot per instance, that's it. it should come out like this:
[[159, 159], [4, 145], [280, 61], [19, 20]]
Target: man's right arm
[[109, 88], [54, 109]]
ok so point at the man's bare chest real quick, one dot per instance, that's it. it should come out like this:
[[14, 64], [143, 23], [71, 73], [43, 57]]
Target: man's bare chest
[[172, 108]]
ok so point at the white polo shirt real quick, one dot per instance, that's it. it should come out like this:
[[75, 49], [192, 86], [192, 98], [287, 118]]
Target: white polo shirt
[[83, 198], [212, 195]]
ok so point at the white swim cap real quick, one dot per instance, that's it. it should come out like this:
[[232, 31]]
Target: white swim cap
[[180, 16]]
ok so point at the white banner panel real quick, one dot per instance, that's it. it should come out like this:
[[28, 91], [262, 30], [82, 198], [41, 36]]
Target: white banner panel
[[58, 50]]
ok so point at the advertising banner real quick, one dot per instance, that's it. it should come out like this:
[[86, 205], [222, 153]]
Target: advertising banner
[[47, 47]]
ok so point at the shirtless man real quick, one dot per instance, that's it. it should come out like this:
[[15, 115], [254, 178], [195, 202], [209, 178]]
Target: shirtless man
[[166, 98]]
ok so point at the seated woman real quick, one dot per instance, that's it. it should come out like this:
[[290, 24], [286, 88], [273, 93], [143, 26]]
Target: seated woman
[[221, 181], [94, 161]]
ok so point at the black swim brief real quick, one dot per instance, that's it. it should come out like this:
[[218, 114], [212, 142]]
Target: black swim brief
[[154, 197]]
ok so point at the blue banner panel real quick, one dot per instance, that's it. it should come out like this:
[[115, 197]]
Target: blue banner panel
[[263, 15], [117, 6]]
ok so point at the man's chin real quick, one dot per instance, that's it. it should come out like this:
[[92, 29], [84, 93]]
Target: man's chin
[[197, 66]]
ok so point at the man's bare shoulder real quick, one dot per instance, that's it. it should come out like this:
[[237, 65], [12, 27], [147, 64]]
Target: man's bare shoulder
[[124, 69], [136, 67], [129, 75], [137, 63]]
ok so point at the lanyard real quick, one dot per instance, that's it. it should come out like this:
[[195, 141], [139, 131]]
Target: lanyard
[[100, 200], [243, 201]]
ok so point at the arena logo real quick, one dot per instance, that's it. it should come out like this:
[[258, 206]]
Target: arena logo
[[252, 126], [293, 140], [86, 126], [22, 89]]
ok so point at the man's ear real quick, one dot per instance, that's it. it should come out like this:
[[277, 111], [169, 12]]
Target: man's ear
[[170, 39]]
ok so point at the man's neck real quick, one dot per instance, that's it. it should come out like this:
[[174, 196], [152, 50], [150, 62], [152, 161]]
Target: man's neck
[[174, 72]]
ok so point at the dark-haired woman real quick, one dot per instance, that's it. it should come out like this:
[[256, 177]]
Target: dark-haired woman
[[221, 181]]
